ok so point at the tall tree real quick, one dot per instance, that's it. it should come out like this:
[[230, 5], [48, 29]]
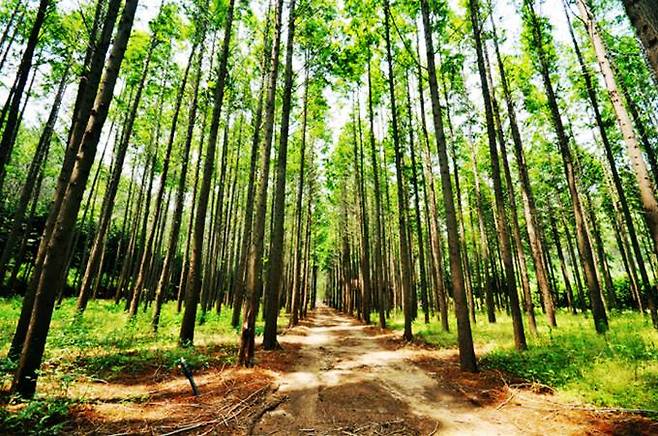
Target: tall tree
[[186, 336], [254, 279], [501, 217], [465, 337], [642, 176], [274, 281], [584, 244], [405, 252], [53, 266], [13, 115]]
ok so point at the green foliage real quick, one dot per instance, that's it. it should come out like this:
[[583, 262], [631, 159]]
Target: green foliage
[[105, 345], [38, 417]]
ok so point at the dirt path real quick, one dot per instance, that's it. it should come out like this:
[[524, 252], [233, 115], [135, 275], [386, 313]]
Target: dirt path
[[350, 379], [336, 376]]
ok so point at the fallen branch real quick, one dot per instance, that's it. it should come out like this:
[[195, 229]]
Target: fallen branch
[[504, 403], [269, 406]]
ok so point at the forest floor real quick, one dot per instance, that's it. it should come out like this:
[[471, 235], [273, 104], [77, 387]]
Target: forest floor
[[336, 376]]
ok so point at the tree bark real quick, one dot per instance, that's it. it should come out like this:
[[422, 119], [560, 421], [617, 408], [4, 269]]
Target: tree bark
[[644, 16], [465, 338], [642, 176], [186, 336], [53, 265]]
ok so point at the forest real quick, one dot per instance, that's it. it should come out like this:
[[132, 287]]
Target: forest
[[328, 217]]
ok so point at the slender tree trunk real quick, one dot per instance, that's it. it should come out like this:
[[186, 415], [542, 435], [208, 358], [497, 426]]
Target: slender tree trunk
[[501, 218], [186, 336], [563, 267], [378, 283], [419, 228], [12, 124], [53, 265], [465, 337], [249, 208], [271, 308], [515, 227], [148, 250], [254, 267], [111, 190], [584, 244], [642, 176], [297, 253], [405, 253], [9, 26], [172, 247], [33, 173], [86, 94], [435, 235]]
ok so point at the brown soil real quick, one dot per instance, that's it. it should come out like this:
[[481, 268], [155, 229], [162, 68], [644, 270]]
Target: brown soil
[[338, 377]]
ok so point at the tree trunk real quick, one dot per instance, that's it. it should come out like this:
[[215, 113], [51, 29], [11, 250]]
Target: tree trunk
[[378, 281], [53, 265], [86, 94], [644, 16], [642, 176], [405, 253], [12, 124], [148, 250], [297, 253], [419, 228], [515, 227], [465, 337], [33, 172], [584, 244], [271, 308], [249, 209], [186, 336], [172, 247], [501, 218], [254, 267], [93, 263]]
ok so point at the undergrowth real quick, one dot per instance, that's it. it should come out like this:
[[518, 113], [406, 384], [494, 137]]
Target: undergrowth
[[104, 346], [618, 369]]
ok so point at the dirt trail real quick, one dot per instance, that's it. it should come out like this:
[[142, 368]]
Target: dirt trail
[[336, 376], [349, 379]]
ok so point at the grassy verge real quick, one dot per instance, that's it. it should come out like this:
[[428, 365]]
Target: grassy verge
[[618, 369], [104, 345]]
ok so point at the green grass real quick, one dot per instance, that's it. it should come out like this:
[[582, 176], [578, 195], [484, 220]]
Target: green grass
[[618, 369], [105, 345]]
